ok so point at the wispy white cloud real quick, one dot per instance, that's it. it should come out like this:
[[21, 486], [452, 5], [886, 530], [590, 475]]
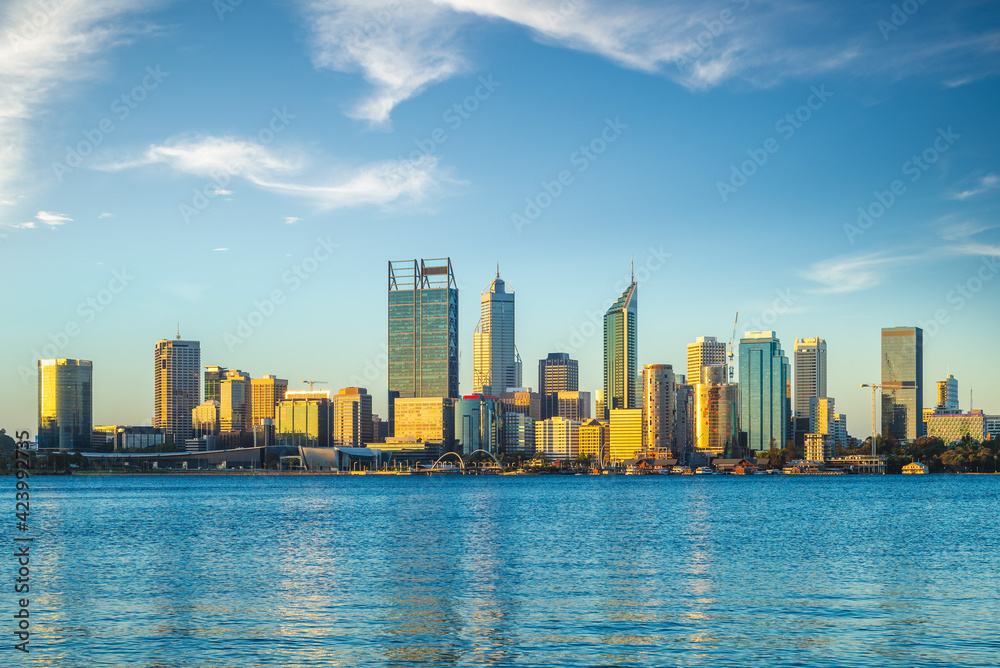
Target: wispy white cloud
[[221, 191], [983, 184], [219, 250], [374, 183], [406, 45], [963, 230], [851, 273], [291, 220], [45, 218], [43, 47], [106, 215]]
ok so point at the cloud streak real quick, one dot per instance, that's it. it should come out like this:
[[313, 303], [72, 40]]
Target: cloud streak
[[228, 157], [984, 184]]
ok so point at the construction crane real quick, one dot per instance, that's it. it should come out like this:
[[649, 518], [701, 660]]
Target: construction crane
[[732, 340], [313, 382]]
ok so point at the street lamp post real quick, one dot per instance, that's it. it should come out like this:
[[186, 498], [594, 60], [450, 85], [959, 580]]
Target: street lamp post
[[874, 389]]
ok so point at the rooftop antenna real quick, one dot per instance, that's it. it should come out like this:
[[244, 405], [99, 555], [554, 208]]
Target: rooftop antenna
[[178, 330], [631, 267], [498, 269]]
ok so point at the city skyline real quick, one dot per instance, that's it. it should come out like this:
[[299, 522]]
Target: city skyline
[[558, 158]]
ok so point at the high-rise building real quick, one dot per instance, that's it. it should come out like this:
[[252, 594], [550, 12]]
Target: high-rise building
[[821, 415], [266, 393], [599, 403], [478, 424], [839, 432], [65, 404], [205, 418], [518, 434], [234, 406], [947, 393], [903, 382], [524, 401], [626, 433], [426, 419], [659, 410], [764, 385], [496, 364], [594, 438], [620, 353], [177, 367], [810, 372], [556, 373], [423, 331], [570, 405], [304, 419], [819, 447], [352, 417], [558, 438], [213, 382], [685, 420], [715, 413], [704, 351]]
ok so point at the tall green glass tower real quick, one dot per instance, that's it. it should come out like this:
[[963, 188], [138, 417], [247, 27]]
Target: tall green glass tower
[[423, 331], [620, 353]]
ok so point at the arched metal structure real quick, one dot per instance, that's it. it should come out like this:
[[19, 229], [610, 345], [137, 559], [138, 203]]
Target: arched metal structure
[[454, 454], [492, 456]]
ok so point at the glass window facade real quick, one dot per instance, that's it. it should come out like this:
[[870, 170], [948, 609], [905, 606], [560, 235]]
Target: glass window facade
[[765, 396], [620, 353], [903, 382], [304, 422], [65, 404]]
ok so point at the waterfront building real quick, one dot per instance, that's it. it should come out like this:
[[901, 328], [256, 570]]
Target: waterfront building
[[352, 417], [819, 447], [947, 393], [626, 434], [213, 382], [265, 392], [556, 373], [518, 434], [620, 341], [522, 400], [423, 331], [234, 406], [993, 426], [304, 419], [594, 438], [205, 418], [496, 364], [65, 404], [659, 393], [715, 413], [704, 351], [903, 382], [177, 367], [478, 424], [426, 420], [765, 404], [558, 438], [810, 373], [685, 420], [916, 468], [952, 427], [821, 415]]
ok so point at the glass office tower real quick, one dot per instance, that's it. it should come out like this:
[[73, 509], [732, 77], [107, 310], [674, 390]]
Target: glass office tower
[[423, 331], [65, 404], [765, 401], [903, 382], [214, 376], [620, 353], [496, 364], [557, 373]]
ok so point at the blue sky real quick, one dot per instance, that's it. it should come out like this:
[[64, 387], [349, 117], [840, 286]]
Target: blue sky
[[190, 161]]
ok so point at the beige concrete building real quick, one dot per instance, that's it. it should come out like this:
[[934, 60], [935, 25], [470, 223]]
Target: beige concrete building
[[810, 373], [626, 434], [715, 412], [428, 419], [352, 417], [658, 409], [819, 447], [558, 438], [704, 351], [594, 438], [177, 370], [265, 393], [234, 405], [205, 418]]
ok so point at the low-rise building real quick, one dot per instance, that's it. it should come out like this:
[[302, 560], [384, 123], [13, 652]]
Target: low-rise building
[[916, 468]]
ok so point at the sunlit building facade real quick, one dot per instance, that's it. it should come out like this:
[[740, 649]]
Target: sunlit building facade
[[765, 401], [620, 353], [658, 409], [234, 406], [570, 405], [953, 427], [558, 438], [496, 364], [305, 419], [810, 373], [423, 331], [518, 434], [65, 404], [704, 351], [426, 419], [352, 417], [903, 382], [685, 419], [177, 391], [594, 438], [556, 373], [205, 418], [266, 393], [715, 413], [523, 401], [626, 434], [213, 382], [947, 393]]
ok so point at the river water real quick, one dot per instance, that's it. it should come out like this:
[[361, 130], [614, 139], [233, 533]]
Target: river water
[[186, 570]]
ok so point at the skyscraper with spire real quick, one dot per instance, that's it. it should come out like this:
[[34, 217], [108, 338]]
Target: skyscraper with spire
[[177, 370], [620, 352], [496, 364]]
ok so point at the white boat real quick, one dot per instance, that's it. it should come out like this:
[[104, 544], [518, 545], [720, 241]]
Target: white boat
[[704, 470]]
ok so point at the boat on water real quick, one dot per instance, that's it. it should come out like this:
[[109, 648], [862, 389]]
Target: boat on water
[[704, 470]]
